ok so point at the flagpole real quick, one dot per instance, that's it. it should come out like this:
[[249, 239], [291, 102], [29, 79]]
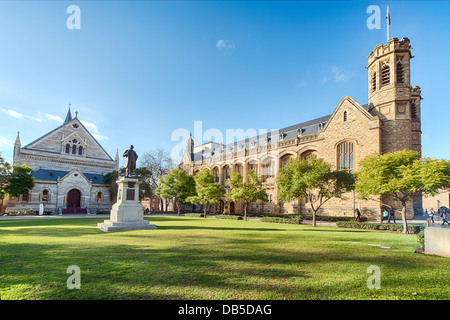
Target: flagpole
[[388, 22]]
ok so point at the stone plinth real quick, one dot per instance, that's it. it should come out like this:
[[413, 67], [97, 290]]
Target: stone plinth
[[127, 212], [437, 240]]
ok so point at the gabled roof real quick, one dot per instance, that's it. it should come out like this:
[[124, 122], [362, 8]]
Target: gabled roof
[[67, 122], [53, 175]]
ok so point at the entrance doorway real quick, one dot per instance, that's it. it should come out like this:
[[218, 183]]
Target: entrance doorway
[[74, 199]]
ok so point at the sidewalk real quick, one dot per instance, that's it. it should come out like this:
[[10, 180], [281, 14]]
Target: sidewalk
[[54, 216]]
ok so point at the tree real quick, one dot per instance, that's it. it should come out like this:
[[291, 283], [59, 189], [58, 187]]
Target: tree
[[401, 175], [314, 180], [14, 181], [176, 185], [142, 174], [159, 163], [208, 191], [249, 191]]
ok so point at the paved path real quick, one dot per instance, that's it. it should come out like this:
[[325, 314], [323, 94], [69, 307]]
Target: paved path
[[417, 220]]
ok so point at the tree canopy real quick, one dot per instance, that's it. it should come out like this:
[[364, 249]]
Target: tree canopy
[[208, 191], [176, 185], [401, 175], [249, 191], [314, 180]]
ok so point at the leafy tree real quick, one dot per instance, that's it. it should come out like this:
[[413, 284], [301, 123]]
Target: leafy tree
[[314, 180], [176, 185], [208, 191], [249, 191], [14, 181], [142, 174], [401, 175]]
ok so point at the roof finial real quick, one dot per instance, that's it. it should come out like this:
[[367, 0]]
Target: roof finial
[[76, 114]]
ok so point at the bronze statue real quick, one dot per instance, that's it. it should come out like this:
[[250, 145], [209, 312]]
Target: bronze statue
[[130, 161]]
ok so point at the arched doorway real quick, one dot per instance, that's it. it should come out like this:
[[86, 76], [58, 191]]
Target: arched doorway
[[231, 207], [74, 199]]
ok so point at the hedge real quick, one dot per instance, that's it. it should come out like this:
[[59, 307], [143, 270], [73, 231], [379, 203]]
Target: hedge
[[282, 220], [229, 216], [197, 215], [378, 226]]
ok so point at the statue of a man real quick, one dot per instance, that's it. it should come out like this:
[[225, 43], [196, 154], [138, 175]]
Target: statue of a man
[[130, 161]]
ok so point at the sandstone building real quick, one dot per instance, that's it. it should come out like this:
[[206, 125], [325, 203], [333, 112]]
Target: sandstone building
[[68, 165], [389, 121]]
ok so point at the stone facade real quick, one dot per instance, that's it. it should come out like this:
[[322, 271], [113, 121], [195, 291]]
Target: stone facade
[[68, 165], [390, 121]]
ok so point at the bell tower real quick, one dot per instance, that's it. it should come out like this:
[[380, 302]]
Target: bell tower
[[391, 96]]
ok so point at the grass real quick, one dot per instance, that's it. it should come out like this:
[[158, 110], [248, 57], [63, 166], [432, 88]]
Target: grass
[[197, 258]]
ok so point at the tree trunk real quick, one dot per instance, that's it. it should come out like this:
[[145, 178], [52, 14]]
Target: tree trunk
[[405, 223], [314, 218], [245, 211], [204, 210], [179, 208]]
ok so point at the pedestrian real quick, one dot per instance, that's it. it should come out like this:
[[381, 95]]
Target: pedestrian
[[425, 213], [391, 216], [445, 217], [358, 215], [146, 210], [431, 214], [385, 215], [151, 211]]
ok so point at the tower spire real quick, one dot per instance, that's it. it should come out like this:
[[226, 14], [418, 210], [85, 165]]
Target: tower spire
[[17, 142], [68, 116]]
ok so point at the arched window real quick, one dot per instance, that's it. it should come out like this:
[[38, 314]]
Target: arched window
[[345, 156], [216, 174], [80, 150], [99, 197], [45, 195], [67, 148], [74, 149]]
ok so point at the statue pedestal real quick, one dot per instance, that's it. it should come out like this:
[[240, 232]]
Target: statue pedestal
[[126, 213]]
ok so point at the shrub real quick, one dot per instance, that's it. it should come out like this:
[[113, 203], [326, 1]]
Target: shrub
[[293, 220], [229, 216], [196, 215], [421, 239], [378, 226]]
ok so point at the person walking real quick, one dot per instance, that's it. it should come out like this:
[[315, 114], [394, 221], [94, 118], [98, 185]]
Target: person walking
[[358, 215], [385, 215], [445, 217], [431, 214], [391, 215]]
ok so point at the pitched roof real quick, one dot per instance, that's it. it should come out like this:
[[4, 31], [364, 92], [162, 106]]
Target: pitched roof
[[290, 132], [53, 175]]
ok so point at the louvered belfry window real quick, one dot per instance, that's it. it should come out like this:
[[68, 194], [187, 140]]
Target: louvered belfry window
[[385, 74]]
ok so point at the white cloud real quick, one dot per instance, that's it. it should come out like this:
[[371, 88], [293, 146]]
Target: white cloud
[[48, 116], [6, 141], [225, 44], [92, 127], [340, 75], [12, 113], [40, 118]]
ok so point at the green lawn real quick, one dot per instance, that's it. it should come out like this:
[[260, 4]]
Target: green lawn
[[197, 258]]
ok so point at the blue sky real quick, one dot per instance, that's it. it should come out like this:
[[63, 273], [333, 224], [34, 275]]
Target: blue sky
[[137, 71]]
